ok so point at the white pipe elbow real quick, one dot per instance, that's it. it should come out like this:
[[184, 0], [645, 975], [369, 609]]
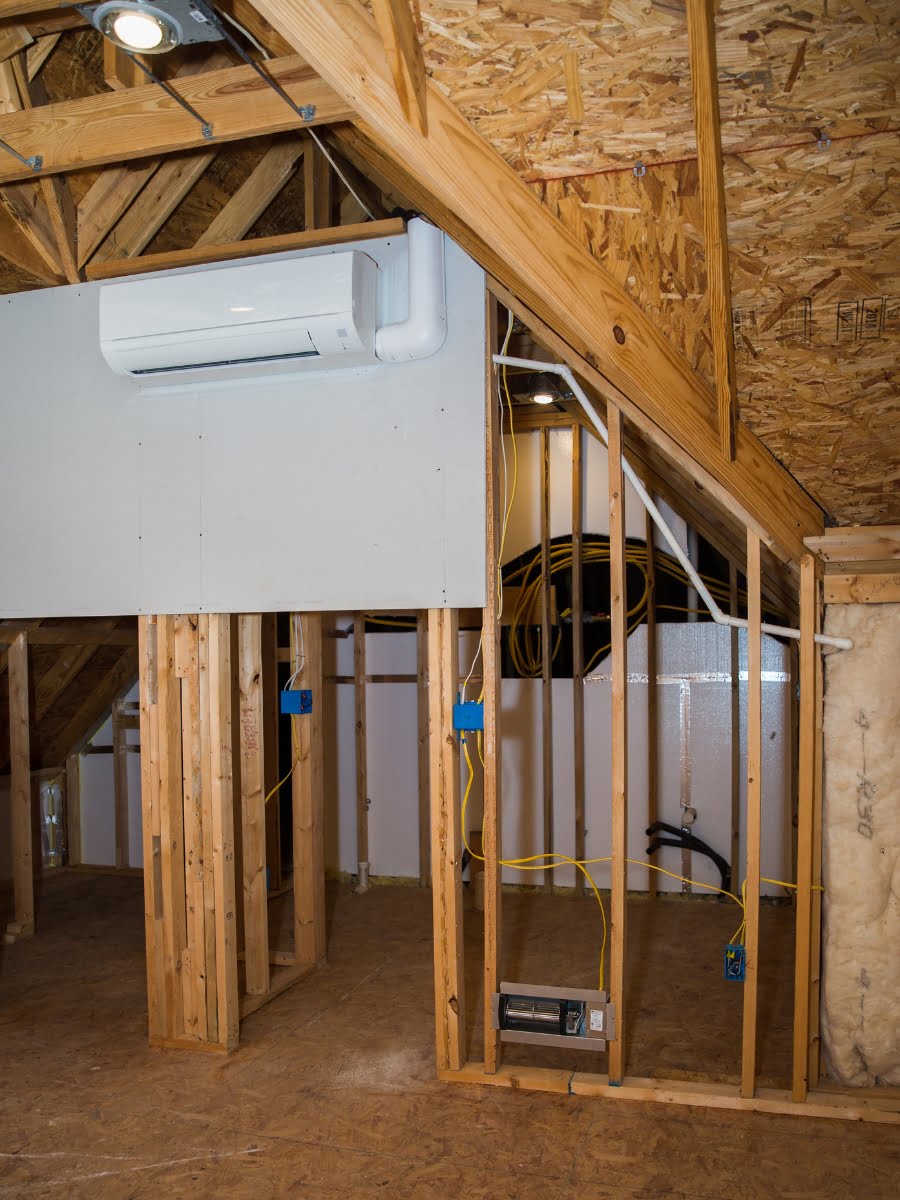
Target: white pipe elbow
[[425, 329]]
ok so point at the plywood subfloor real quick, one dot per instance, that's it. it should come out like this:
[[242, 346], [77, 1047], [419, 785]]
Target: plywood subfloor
[[331, 1093]]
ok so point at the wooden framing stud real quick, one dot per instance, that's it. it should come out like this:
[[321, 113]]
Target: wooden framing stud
[[73, 810], [490, 633], [578, 648], [652, 693], [362, 767], [619, 747], [735, 726], [120, 783], [704, 82], [806, 765], [253, 815], [446, 841], [308, 792], [422, 714], [22, 924], [754, 813], [397, 29], [546, 656]]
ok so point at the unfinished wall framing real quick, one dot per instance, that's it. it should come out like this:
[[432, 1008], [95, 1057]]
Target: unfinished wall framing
[[209, 960], [807, 1095]]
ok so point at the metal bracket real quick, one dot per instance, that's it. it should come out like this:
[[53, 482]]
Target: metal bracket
[[823, 142], [639, 169], [205, 127], [305, 112], [35, 162]]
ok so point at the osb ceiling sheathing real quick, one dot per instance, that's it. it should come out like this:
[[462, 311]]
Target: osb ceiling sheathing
[[573, 94]]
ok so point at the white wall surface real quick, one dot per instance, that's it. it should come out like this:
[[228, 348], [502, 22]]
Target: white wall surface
[[359, 488], [98, 800], [683, 651]]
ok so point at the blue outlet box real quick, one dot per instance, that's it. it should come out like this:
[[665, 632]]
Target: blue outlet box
[[735, 962], [468, 716], [297, 703]]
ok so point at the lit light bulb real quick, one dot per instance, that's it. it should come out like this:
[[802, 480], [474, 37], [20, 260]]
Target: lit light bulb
[[543, 398], [140, 31]]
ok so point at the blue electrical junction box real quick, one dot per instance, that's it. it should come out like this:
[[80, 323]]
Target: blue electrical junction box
[[297, 703], [735, 962], [468, 716]]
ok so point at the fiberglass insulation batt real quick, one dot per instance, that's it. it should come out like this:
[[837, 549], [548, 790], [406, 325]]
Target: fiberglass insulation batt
[[861, 829]]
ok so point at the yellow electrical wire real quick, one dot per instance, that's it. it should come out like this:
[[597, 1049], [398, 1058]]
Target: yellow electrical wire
[[542, 862], [524, 634], [296, 744]]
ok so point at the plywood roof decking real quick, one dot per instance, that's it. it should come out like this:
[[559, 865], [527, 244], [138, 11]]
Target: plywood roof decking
[[810, 230]]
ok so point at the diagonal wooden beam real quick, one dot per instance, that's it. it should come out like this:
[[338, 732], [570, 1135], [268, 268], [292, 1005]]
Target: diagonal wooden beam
[[705, 87], [38, 53], [13, 39], [397, 29], [158, 200], [71, 737], [255, 195], [22, 93], [116, 189], [26, 237], [108, 198], [142, 122], [500, 221]]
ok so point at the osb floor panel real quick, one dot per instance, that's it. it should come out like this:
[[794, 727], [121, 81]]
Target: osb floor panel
[[331, 1093]]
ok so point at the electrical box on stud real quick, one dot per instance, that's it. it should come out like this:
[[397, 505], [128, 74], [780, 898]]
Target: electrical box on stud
[[735, 962], [298, 703], [468, 716], [549, 1016]]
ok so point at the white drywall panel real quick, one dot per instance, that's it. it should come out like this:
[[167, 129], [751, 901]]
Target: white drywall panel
[[696, 657], [98, 810], [357, 488]]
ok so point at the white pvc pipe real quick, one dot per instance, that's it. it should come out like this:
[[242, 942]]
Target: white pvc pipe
[[700, 587], [425, 328]]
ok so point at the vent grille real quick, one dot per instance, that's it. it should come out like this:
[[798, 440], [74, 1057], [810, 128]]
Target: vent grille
[[226, 362]]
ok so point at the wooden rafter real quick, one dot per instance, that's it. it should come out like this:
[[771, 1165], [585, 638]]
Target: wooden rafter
[[25, 234], [143, 121], [158, 199], [109, 197], [13, 39], [397, 28], [92, 709], [254, 196], [464, 185], [21, 93], [704, 82], [118, 188]]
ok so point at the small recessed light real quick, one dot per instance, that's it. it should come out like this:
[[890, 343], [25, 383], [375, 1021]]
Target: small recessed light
[[543, 398], [138, 26], [242, 308]]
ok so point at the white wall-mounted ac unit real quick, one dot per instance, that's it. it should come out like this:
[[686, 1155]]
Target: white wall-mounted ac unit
[[317, 309]]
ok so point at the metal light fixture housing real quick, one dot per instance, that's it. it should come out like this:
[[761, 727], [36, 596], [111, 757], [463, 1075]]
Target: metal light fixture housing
[[145, 27]]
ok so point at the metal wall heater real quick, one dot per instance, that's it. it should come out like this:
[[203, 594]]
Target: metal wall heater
[[572, 1018]]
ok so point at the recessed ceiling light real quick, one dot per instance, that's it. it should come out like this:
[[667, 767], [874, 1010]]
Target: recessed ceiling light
[[239, 308], [138, 27], [543, 398]]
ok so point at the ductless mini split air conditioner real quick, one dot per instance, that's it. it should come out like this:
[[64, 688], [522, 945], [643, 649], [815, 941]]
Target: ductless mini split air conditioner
[[318, 310]]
